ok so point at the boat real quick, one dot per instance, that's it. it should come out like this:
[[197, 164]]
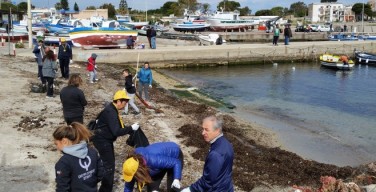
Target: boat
[[210, 39], [333, 62], [52, 40], [229, 21], [13, 36], [109, 34], [158, 28], [126, 19], [365, 58], [190, 27], [343, 37]]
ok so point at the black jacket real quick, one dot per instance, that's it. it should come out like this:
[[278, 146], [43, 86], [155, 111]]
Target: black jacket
[[109, 126], [75, 175], [73, 100], [129, 85], [65, 52]]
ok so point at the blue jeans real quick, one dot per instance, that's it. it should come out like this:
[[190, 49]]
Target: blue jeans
[[153, 46], [93, 75], [143, 87], [287, 39]]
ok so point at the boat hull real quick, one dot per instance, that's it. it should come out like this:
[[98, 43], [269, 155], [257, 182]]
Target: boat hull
[[101, 37], [14, 37], [191, 27], [230, 25], [53, 40], [365, 58], [337, 65]]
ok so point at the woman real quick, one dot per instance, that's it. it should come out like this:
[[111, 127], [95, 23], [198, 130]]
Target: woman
[[73, 100], [148, 165], [49, 72]]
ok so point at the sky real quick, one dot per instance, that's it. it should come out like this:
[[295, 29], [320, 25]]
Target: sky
[[254, 5]]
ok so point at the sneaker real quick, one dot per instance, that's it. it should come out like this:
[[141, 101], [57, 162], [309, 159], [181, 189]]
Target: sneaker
[[91, 82], [96, 79], [49, 97], [124, 113], [135, 112]]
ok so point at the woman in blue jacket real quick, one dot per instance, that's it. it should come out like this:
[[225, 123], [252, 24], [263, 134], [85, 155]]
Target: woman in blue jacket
[[148, 165], [145, 77]]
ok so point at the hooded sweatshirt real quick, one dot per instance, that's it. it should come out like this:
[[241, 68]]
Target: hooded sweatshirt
[[79, 169]]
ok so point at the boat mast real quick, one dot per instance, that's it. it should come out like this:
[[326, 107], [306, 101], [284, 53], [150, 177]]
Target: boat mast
[[146, 12]]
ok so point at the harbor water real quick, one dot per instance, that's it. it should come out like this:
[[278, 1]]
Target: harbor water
[[320, 114]]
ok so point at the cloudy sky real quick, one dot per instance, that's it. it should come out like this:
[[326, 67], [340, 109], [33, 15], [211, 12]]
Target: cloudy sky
[[254, 5]]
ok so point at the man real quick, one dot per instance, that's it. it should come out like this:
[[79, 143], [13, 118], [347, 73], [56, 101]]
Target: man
[[39, 52], [344, 59], [110, 126], [73, 100], [288, 34], [65, 57], [276, 32], [217, 174], [153, 36], [145, 77], [148, 35]]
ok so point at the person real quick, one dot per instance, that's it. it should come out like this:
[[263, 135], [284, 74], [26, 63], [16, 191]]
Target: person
[[219, 40], [345, 28], [110, 126], [80, 168], [148, 165], [145, 77], [49, 69], [344, 59], [217, 174], [288, 34], [148, 35], [39, 52], [153, 36], [131, 90], [92, 67], [276, 32], [65, 57], [130, 42], [73, 100], [331, 27]]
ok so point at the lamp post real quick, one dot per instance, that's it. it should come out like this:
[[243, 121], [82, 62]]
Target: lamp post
[[363, 17], [29, 24]]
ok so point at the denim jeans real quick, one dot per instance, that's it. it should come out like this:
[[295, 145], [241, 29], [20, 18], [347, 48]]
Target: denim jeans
[[153, 45], [131, 103], [287, 39], [143, 87], [93, 75]]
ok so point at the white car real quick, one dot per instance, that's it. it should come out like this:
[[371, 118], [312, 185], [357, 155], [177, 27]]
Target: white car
[[319, 28]]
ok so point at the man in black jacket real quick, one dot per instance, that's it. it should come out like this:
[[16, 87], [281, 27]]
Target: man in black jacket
[[73, 100], [131, 91], [110, 126], [65, 57]]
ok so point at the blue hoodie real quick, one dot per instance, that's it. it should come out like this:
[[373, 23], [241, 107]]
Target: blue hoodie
[[79, 169], [145, 76]]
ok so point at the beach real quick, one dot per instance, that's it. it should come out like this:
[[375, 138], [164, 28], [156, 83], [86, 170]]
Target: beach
[[28, 155]]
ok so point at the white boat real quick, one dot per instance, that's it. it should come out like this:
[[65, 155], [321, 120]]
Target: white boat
[[229, 21], [127, 20], [190, 27], [210, 39]]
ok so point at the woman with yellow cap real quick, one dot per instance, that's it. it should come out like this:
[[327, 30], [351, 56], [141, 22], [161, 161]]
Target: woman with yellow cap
[[148, 165]]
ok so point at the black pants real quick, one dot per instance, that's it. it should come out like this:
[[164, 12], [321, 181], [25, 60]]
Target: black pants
[[64, 68], [50, 86], [157, 179], [106, 152], [275, 40], [70, 120]]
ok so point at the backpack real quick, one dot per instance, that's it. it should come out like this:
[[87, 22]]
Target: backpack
[[93, 124]]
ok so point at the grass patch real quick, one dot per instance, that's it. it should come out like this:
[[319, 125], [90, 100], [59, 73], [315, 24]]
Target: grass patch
[[181, 86], [188, 95]]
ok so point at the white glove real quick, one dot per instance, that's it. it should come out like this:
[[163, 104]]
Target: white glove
[[150, 86], [70, 61], [135, 127], [176, 183], [39, 47], [186, 190], [95, 66]]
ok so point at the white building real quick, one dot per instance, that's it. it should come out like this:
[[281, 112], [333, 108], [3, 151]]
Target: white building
[[330, 12]]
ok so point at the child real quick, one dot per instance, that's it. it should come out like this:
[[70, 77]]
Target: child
[[91, 67], [131, 91], [80, 168]]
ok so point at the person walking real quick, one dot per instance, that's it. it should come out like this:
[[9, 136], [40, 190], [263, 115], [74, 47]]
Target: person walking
[[80, 168], [39, 52], [73, 100], [92, 68], [287, 33], [145, 77], [276, 32], [65, 57], [148, 166], [49, 72], [153, 37], [148, 35], [131, 91], [110, 126], [217, 174]]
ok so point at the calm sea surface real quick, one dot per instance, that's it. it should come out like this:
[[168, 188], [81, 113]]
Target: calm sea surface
[[320, 114]]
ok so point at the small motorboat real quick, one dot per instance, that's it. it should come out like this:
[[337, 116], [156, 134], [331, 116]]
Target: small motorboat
[[365, 58], [211, 39], [334, 62]]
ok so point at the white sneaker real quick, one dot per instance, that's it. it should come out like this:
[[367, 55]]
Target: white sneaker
[[91, 82]]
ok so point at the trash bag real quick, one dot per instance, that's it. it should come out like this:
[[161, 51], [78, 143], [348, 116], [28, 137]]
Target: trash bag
[[137, 139]]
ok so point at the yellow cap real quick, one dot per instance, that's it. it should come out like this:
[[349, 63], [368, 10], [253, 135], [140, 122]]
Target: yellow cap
[[121, 94], [63, 39], [130, 167]]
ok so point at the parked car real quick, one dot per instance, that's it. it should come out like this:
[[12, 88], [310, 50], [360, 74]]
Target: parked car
[[319, 28], [300, 28]]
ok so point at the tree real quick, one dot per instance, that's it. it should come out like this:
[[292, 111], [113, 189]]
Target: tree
[[7, 5], [110, 8], [358, 9], [204, 7], [245, 11], [123, 7], [228, 5], [58, 6], [64, 4], [328, 1], [299, 9], [168, 8], [91, 8], [263, 12], [76, 8], [22, 6], [279, 11]]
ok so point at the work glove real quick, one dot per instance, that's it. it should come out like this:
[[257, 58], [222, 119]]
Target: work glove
[[176, 184], [39, 47], [95, 66], [135, 127], [186, 190], [150, 86], [70, 61]]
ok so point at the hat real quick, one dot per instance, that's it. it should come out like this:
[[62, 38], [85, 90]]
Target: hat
[[93, 55], [63, 39], [130, 167], [121, 94]]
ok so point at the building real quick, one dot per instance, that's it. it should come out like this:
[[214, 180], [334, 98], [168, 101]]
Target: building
[[87, 14], [373, 4], [330, 12]]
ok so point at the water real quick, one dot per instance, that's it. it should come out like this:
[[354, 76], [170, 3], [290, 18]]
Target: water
[[320, 114]]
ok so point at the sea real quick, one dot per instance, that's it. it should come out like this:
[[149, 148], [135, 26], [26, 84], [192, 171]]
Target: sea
[[320, 114]]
